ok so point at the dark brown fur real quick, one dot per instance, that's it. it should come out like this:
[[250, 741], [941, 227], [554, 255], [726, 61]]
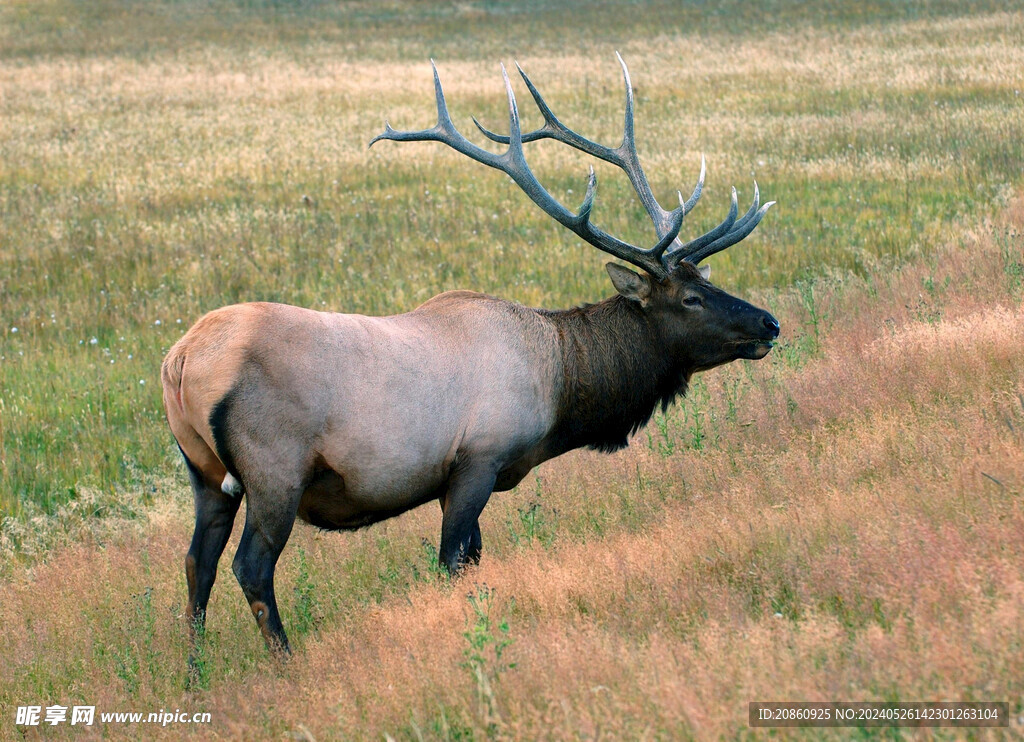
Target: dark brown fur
[[615, 374]]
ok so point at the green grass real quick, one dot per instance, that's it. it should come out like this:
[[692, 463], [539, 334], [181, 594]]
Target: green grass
[[164, 159], [398, 30]]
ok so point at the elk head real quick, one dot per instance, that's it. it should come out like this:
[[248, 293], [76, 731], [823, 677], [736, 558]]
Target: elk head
[[700, 325]]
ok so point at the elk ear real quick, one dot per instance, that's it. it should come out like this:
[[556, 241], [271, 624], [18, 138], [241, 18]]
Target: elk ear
[[705, 271], [631, 285]]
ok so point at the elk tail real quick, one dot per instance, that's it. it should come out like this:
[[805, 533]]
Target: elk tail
[[171, 373]]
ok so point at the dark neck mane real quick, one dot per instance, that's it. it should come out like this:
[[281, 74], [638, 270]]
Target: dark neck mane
[[616, 371]]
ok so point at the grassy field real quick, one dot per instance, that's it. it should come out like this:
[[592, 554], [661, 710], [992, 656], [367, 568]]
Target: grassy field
[[842, 520]]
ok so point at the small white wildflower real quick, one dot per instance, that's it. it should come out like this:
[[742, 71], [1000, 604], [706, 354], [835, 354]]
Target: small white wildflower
[[157, 322], [93, 341], [178, 321], [129, 356], [14, 329], [142, 382], [111, 360]]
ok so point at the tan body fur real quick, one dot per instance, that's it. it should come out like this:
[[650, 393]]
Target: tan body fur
[[385, 403]]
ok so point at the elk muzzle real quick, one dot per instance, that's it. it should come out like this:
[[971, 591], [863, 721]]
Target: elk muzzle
[[762, 339]]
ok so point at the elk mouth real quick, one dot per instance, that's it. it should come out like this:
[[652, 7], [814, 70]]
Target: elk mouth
[[753, 349]]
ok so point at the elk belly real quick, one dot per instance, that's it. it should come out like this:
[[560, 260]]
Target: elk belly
[[327, 503]]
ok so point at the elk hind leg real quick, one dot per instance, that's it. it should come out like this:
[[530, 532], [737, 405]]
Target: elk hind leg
[[215, 516]]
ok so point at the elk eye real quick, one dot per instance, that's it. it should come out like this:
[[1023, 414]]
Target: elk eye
[[692, 301]]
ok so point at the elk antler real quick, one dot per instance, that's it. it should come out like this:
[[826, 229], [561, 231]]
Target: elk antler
[[659, 260]]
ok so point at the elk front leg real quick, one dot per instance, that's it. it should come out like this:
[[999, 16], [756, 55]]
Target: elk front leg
[[468, 493], [268, 523], [476, 543]]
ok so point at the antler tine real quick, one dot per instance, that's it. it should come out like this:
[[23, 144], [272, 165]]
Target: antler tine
[[708, 237], [624, 156], [726, 234], [630, 162], [735, 235], [443, 131], [552, 128], [515, 135], [697, 189], [628, 137], [513, 163]]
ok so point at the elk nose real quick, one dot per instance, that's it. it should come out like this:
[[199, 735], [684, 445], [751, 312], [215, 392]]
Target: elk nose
[[771, 324]]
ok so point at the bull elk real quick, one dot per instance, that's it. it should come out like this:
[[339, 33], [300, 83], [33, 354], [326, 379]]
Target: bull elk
[[344, 420]]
